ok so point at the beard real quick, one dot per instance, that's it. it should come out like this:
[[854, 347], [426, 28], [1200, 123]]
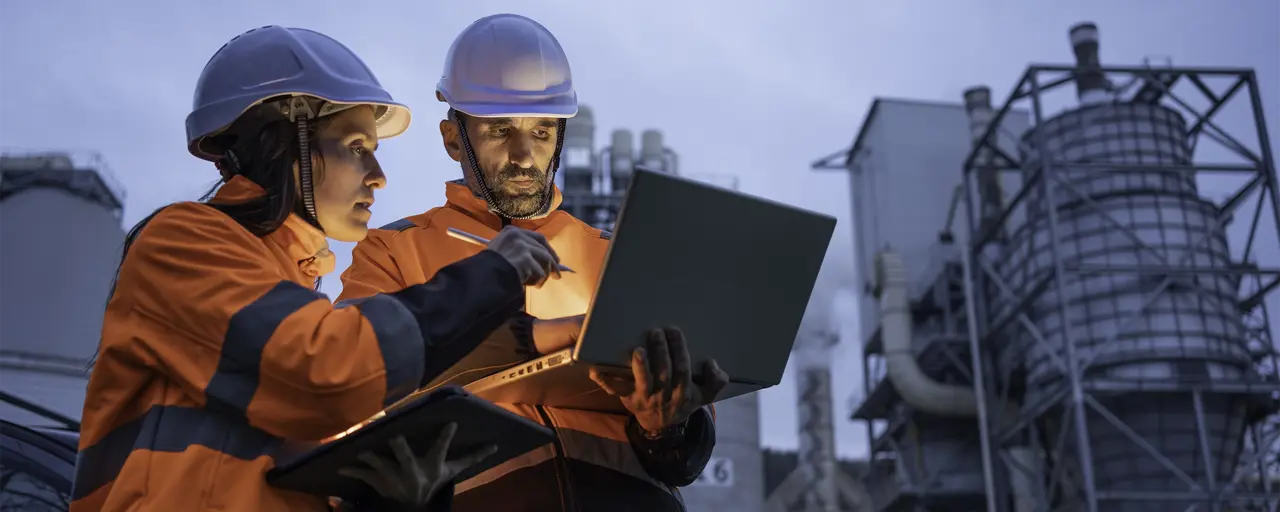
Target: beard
[[518, 203]]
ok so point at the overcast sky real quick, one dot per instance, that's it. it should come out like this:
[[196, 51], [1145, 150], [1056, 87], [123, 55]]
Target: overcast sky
[[752, 88]]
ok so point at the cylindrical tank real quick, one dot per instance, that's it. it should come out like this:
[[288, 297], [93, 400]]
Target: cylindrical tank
[[622, 157], [817, 455], [652, 156], [61, 233], [577, 171], [1191, 331]]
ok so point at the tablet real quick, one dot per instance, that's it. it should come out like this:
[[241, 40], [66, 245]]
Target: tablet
[[420, 418]]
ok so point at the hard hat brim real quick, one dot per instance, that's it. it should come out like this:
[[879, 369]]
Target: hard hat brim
[[395, 121], [490, 110]]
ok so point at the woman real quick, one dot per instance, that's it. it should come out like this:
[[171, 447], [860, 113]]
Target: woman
[[216, 348]]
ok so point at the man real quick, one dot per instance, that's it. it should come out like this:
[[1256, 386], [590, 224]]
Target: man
[[508, 85]]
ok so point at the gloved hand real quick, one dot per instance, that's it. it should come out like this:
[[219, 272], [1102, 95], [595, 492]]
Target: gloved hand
[[660, 392], [556, 333], [410, 479], [529, 252]]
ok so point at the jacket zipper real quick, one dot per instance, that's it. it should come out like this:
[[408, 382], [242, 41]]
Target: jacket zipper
[[560, 462]]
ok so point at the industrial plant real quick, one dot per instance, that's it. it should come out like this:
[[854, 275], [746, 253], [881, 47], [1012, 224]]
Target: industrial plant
[[1062, 298], [1085, 336]]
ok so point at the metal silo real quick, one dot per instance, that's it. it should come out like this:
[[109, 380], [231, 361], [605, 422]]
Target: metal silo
[[60, 241], [622, 159], [578, 171], [1114, 309], [734, 477]]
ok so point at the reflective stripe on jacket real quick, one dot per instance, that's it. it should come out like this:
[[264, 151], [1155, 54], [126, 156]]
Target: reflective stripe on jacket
[[600, 469], [216, 349]]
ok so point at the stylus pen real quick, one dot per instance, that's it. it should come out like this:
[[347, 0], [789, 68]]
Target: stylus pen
[[484, 242]]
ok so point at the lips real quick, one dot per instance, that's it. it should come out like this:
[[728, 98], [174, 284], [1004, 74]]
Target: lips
[[364, 205]]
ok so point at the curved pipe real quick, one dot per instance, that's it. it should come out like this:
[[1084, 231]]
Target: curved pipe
[[921, 391], [916, 387]]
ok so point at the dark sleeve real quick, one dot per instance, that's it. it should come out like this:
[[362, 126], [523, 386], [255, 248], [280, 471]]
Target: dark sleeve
[[509, 344], [676, 462], [441, 502], [459, 308]]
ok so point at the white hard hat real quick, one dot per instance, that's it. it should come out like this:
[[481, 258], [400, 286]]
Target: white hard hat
[[506, 65]]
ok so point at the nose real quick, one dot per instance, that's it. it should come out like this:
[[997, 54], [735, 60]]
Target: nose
[[520, 151], [375, 178]]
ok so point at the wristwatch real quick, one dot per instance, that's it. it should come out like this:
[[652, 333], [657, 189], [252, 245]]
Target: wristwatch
[[673, 431], [664, 439]]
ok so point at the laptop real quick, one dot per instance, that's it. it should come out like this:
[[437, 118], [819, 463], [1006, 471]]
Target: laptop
[[734, 272]]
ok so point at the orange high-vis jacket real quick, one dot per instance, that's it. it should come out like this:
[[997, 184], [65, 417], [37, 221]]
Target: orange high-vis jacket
[[596, 463], [217, 350]]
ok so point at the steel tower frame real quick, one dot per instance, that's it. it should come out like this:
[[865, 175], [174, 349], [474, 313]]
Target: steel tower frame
[[1075, 396]]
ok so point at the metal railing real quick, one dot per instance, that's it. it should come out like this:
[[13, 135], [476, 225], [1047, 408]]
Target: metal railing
[[28, 159]]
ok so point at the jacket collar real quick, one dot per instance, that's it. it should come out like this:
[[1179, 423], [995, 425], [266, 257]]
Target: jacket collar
[[461, 197], [302, 242]]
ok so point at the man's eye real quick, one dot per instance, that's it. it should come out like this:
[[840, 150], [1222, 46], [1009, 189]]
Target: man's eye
[[498, 132], [541, 134]]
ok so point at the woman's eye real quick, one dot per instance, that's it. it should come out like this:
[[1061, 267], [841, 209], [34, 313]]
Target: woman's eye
[[359, 150]]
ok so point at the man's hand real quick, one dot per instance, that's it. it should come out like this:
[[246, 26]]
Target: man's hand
[[529, 252], [556, 334], [660, 392]]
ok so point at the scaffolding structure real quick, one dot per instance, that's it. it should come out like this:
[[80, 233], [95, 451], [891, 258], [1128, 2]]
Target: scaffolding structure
[[1078, 408]]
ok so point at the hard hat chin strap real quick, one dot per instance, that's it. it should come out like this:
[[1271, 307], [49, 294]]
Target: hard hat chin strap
[[548, 191], [300, 112], [228, 166]]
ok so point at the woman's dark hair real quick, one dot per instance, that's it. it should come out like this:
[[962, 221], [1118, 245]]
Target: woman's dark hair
[[263, 147]]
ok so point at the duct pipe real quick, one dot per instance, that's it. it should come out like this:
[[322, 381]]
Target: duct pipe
[[917, 388], [921, 391], [1091, 83]]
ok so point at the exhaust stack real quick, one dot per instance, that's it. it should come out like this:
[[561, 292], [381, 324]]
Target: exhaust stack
[[977, 104], [1091, 84]]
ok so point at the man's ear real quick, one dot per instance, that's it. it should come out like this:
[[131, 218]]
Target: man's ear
[[452, 139]]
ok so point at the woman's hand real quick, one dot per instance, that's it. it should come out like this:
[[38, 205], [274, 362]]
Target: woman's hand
[[411, 479]]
